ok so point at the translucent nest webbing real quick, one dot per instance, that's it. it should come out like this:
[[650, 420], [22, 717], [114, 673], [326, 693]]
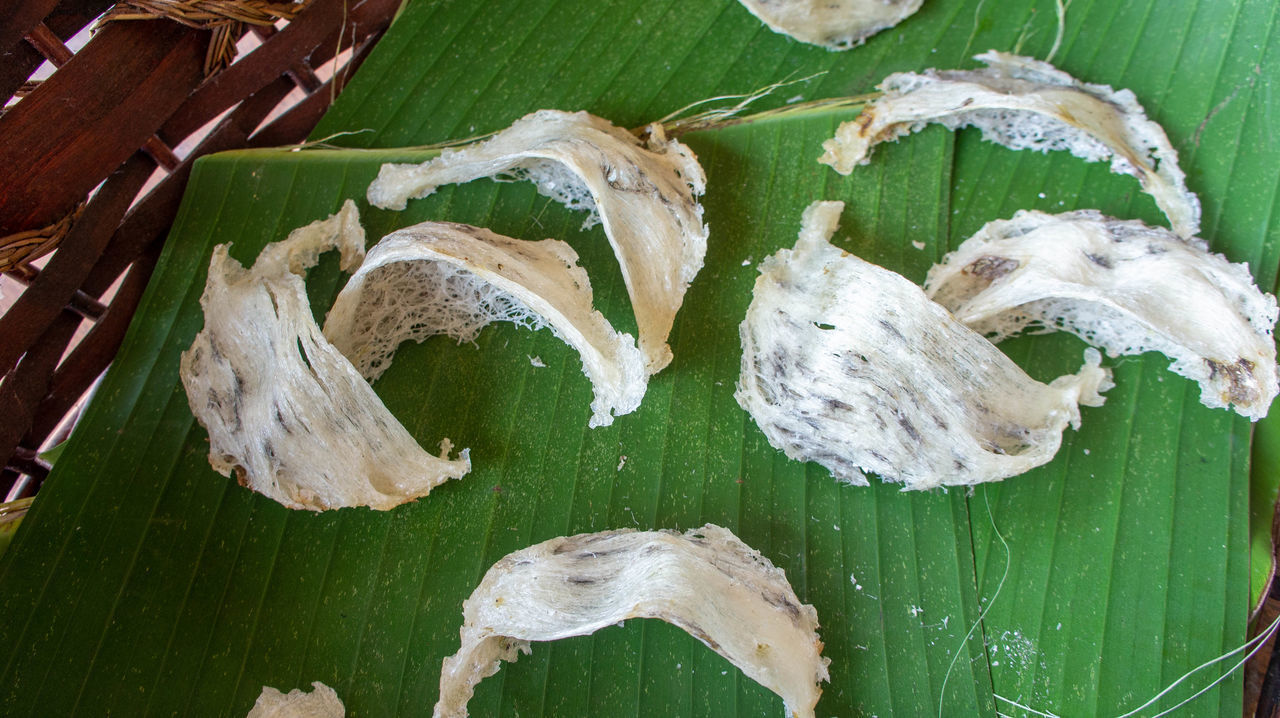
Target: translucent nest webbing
[[851, 366], [643, 192], [446, 278], [705, 581], [833, 24], [285, 410], [321, 702], [1023, 103], [1122, 286]]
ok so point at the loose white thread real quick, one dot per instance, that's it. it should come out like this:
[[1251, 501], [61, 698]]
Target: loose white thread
[[1008, 555], [1253, 645]]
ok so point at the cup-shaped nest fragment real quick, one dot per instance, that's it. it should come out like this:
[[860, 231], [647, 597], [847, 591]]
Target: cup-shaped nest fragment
[[285, 410], [851, 366], [833, 24], [321, 702], [705, 581], [1122, 286], [645, 194], [446, 278], [1023, 103]]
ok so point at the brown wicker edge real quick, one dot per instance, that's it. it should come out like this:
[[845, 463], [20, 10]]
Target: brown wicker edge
[[71, 174]]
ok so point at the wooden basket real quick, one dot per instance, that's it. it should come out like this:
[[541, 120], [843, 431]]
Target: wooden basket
[[78, 152]]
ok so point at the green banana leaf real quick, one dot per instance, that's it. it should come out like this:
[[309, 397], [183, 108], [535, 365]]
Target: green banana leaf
[[143, 583]]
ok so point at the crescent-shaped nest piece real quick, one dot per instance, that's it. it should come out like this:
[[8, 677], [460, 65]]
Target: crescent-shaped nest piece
[[445, 278], [851, 366], [833, 24], [285, 410], [1122, 286], [1023, 103], [645, 194], [321, 702], [706, 581]]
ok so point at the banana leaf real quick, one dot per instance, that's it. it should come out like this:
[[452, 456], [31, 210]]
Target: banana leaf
[[143, 583]]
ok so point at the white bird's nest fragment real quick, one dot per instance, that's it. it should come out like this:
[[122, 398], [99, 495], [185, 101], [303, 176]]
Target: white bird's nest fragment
[[645, 194], [446, 278], [1122, 286], [1023, 103], [705, 581], [833, 24], [285, 410], [851, 366], [321, 702]]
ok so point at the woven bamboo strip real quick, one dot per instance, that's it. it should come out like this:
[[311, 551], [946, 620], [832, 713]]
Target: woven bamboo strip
[[18, 250], [226, 19]]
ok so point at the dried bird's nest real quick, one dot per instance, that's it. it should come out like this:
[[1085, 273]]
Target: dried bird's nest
[[446, 278], [321, 702], [833, 24], [285, 410], [851, 366], [645, 194], [706, 581], [1023, 103], [1122, 286]]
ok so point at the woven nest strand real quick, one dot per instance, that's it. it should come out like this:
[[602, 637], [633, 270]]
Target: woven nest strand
[[226, 19], [19, 250]]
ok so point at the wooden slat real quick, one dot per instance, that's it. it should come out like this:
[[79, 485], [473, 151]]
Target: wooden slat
[[294, 125], [20, 59], [1257, 670], [255, 70], [29, 462], [23, 387], [34, 396], [93, 354], [26, 320], [310, 35], [150, 218], [49, 44], [79, 303], [17, 17], [8, 480], [56, 151], [143, 231]]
